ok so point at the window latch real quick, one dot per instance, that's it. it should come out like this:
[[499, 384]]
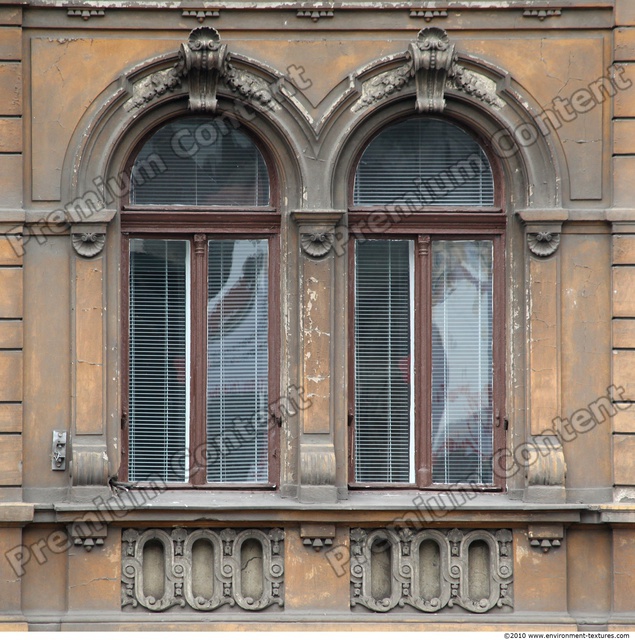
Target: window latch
[[276, 417], [124, 420], [497, 422], [351, 417]]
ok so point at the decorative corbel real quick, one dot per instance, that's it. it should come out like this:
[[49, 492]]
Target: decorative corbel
[[314, 14], [432, 62], [543, 243], [432, 58], [428, 14], [317, 232], [317, 536], [541, 14], [84, 14], [545, 536], [88, 239], [87, 534], [200, 14], [202, 60]]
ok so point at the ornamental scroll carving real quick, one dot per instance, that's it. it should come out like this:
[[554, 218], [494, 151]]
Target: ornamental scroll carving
[[543, 243], [432, 62], [202, 569], [88, 244], [201, 61], [432, 569], [204, 63], [432, 59]]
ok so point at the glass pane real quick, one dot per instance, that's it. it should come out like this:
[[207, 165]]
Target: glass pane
[[158, 411], [462, 361], [200, 161], [424, 162], [383, 349], [237, 372]]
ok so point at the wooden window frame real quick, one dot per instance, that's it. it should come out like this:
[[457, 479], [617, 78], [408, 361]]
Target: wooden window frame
[[236, 226], [213, 222], [424, 228]]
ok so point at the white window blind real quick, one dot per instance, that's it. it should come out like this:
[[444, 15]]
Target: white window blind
[[159, 344], [200, 161], [237, 378], [383, 360], [424, 162], [462, 370]]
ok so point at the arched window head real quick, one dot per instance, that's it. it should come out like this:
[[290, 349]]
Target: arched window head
[[424, 162], [201, 162]]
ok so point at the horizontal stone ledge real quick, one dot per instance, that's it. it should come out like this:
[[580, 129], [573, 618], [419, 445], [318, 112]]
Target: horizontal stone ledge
[[16, 513], [12, 215], [621, 214], [544, 215], [298, 620]]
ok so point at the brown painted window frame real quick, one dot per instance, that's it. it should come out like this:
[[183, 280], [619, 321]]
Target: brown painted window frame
[[425, 228], [215, 222]]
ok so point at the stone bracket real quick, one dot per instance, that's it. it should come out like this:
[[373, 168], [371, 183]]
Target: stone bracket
[[200, 14], [428, 14], [88, 239], [543, 240], [89, 465], [432, 62], [84, 13], [541, 14], [201, 61], [546, 470], [317, 231], [432, 59], [317, 536], [314, 14], [88, 534], [545, 536]]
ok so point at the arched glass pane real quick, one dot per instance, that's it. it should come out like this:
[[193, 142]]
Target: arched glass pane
[[202, 162], [424, 162]]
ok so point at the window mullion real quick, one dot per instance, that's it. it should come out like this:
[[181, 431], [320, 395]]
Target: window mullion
[[423, 362], [198, 361]]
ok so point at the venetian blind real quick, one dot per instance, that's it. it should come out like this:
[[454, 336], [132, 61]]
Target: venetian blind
[[237, 371], [424, 162], [200, 161], [383, 360], [159, 336], [462, 370]]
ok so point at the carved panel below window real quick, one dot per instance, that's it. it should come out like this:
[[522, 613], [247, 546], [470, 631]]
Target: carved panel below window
[[202, 569], [431, 570]]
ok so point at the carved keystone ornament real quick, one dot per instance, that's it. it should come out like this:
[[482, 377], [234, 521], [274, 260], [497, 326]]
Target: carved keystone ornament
[[204, 63], [432, 62]]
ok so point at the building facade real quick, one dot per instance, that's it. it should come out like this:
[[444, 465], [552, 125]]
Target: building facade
[[317, 315]]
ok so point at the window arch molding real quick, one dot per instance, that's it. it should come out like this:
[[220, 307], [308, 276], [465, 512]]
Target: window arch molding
[[517, 173], [100, 148]]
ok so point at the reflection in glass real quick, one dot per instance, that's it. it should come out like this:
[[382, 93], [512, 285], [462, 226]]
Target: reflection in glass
[[237, 370], [462, 361], [202, 162]]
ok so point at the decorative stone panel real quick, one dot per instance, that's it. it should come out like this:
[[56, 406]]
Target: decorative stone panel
[[432, 569], [202, 569]]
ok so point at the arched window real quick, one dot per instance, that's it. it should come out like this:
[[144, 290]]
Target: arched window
[[426, 380], [200, 241]]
